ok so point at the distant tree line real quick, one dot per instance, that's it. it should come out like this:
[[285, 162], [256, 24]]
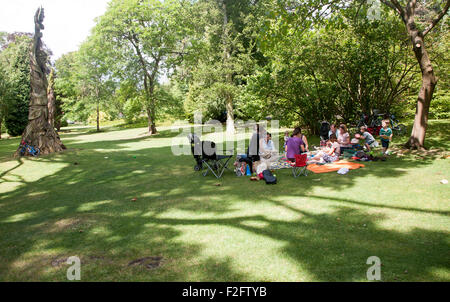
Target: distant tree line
[[297, 61]]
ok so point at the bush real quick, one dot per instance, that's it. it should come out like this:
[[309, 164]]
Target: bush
[[17, 119], [64, 123], [440, 105]]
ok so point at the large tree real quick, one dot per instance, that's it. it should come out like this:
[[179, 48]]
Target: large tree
[[328, 68], [94, 77], [38, 132], [222, 52], [147, 37], [67, 99], [418, 22]]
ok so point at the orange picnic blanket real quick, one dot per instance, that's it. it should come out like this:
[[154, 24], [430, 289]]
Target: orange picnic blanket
[[334, 166]]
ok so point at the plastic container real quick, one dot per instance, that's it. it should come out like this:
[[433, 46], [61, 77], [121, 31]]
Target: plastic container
[[248, 171]]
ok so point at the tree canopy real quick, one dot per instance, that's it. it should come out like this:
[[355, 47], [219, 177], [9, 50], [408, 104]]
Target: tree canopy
[[297, 61]]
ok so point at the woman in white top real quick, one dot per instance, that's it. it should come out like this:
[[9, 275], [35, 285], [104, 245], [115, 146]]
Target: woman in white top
[[344, 137], [267, 150]]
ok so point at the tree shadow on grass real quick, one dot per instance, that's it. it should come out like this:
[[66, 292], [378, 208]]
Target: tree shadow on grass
[[87, 210]]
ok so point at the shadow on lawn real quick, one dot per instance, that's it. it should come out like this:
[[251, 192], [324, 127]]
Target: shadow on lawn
[[86, 210]]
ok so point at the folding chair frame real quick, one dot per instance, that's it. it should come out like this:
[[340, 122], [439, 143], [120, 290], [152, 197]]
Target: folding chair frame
[[297, 171], [216, 166]]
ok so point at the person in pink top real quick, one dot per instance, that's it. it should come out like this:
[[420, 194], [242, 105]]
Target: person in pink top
[[344, 138]]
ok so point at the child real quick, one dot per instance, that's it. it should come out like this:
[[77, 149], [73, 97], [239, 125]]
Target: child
[[355, 142], [385, 135], [370, 141], [286, 136], [328, 155]]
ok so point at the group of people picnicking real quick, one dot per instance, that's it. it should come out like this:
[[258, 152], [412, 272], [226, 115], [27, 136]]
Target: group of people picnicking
[[338, 141], [263, 151]]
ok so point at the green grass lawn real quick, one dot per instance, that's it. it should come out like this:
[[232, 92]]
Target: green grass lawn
[[322, 227]]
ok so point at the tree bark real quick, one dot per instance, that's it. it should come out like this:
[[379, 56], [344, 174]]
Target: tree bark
[[97, 94], [151, 121], [429, 81], [98, 117], [38, 132], [150, 106], [51, 100]]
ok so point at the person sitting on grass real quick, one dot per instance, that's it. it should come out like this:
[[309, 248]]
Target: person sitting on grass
[[267, 150], [333, 130], [329, 155], [344, 138], [385, 135], [370, 142], [355, 142], [305, 141], [295, 145], [267, 142]]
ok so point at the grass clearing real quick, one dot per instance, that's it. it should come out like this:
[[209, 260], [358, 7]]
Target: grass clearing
[[317, 228]]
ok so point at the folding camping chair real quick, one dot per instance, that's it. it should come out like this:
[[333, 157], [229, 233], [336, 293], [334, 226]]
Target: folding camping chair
[[207, 159], [299, 168]]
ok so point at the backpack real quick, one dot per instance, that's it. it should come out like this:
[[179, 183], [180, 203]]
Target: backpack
[[240, 165], [360, 154], [269, 178]]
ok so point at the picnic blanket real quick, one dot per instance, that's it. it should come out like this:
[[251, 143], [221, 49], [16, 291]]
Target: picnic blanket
[[282, 163], [332, 167]]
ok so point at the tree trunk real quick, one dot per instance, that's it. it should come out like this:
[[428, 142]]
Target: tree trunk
[[150, 107], [229, 79], [38, 132], [51, 108], [51, 100], [429, 81], [98, 117], [151, 121], [1, 127]]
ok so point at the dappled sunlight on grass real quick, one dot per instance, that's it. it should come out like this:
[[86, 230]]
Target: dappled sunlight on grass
[[19, 217], [141, 201]]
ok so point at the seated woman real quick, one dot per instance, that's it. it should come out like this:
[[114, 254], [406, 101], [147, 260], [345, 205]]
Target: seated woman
[[305, 141], [267, 150], [344, 138], [295, 145], [333, 130], [253, 149], [330, 154]]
